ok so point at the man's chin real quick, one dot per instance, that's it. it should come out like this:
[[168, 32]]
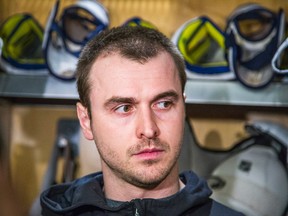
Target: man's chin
[[148, 178]]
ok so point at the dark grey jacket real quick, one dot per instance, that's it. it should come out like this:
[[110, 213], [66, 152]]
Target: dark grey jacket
[[84, 197]]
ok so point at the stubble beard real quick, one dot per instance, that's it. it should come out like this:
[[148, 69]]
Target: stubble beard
[[157, 170]]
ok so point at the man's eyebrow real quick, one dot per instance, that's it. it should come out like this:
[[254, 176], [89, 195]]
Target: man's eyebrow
[[130, 100], [119, 100], [171, 94]]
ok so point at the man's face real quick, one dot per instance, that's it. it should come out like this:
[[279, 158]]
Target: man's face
[[137, 118]]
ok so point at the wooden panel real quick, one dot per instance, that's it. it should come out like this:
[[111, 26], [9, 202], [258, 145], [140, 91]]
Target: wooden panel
[[32, 138], [167, 15], [218, 134]]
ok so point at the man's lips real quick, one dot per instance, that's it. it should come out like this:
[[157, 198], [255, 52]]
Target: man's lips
[[149, 153]]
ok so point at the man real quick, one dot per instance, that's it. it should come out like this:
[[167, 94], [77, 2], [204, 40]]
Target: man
[[131, 85]]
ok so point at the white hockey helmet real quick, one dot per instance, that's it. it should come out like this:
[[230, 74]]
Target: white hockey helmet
[[254, 180]]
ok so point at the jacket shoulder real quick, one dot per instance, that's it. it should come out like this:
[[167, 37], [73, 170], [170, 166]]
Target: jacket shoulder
[[219, 209], [212, 208]]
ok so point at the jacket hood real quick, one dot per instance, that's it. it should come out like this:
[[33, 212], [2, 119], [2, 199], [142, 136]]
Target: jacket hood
[[87, 191]]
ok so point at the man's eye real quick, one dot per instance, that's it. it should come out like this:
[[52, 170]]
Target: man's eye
[[164, 104], [123, 109]]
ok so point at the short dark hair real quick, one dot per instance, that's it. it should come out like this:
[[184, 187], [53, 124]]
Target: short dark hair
[[136, 43]]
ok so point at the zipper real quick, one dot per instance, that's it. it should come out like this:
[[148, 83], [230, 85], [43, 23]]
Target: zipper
[[136, 212], [137, 205]]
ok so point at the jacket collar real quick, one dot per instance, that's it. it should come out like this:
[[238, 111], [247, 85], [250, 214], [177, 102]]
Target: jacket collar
[[88, 191]]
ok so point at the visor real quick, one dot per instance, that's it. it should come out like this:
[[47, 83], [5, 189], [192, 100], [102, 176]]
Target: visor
[[65, 39], [137, 21], [202, 45], [22, 37], [253, 35]]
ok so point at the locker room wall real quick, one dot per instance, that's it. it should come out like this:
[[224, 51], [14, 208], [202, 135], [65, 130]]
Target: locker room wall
[[33, 127]]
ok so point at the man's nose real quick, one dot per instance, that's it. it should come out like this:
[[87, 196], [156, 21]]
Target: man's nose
[[147, 124]]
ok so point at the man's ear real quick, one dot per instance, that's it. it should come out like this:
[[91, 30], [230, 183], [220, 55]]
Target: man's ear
[[84, 120]]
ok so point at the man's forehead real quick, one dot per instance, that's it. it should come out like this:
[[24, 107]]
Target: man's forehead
[[116, 63]]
